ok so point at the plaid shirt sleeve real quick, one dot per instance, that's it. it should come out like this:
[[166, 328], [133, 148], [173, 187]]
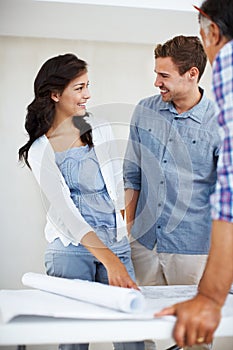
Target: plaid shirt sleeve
[[222, 198]]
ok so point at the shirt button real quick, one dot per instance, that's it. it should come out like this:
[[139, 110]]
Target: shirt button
[[161, 182], [158, 226], [165, 161]]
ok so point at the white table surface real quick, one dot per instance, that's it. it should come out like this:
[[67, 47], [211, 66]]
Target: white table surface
[[49, 330], [46, 330], [33, 330]]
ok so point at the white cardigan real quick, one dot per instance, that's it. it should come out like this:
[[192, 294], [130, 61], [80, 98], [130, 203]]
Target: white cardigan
[[63, 218]]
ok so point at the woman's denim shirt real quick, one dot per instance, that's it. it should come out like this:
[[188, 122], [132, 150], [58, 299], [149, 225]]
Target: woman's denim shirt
[[63, 217], [80, 169]]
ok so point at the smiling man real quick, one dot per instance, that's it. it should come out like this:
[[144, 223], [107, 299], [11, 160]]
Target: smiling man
[[170, 170]]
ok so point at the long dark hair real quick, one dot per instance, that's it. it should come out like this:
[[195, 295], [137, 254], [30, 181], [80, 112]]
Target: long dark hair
[[54, 75]]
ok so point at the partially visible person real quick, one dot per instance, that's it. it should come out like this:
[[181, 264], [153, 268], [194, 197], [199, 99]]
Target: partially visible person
[[170, 170], [73, 157], [198, 318]]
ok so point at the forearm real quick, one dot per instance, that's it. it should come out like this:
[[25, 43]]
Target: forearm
[[218, 274], [98, 248], [117, 272], [131, 200]]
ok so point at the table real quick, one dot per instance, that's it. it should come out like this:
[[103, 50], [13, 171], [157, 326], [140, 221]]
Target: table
[[47, 330], [43, 330]]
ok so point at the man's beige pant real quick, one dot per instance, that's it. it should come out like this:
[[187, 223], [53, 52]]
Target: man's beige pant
[[156, 269]]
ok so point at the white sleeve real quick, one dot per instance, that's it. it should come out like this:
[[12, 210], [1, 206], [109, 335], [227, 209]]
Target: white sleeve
[[42, 162], [117, 164], [110, 162]]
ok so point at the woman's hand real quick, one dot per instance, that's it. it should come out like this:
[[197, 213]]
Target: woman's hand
[[117, 273]]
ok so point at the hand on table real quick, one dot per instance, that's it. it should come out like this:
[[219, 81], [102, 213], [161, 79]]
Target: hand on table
[[197, 320], [118, 276]]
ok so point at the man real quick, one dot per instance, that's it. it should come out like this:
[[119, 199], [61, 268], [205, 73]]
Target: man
[[198, 318], [170, 170]]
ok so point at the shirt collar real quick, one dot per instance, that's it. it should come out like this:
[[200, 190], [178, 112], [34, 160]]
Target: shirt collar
[[196, 113]]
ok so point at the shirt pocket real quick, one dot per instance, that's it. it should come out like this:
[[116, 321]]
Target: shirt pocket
[[152, 143], [201, 151]]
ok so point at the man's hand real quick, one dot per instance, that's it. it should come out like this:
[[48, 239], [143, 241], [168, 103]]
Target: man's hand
[[197, 320]]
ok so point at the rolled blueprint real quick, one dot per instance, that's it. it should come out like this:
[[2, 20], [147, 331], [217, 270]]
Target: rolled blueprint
[[117, 298]]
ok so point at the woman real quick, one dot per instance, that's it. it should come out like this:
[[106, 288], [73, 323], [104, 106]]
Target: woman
[[74, 160]]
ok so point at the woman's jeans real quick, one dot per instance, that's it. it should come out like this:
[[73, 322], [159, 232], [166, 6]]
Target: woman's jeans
[[76, 262]]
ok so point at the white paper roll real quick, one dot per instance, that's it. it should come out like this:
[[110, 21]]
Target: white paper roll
[[117, 298]]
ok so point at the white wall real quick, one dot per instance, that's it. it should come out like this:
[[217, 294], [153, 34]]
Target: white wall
[[120, 75]]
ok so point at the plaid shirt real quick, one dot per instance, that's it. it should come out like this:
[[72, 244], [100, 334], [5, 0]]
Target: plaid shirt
[[222, 199]]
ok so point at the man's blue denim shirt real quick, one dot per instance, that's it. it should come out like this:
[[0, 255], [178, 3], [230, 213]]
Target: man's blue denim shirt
[[171, 159]]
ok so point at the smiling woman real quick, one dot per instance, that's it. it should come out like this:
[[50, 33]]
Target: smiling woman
[[67, 151], [71, 102]]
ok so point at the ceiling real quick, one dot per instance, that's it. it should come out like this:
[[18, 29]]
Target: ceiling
[[179, 5], [130, 21]]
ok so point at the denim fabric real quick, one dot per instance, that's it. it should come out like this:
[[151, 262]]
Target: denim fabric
[[77, 262], [81, 171], [171, 159]]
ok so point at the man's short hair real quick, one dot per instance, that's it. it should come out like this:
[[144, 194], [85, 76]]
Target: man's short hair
[[185, 51]]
